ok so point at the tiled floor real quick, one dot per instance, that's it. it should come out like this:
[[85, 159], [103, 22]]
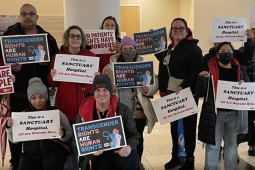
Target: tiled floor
[[157, 151]]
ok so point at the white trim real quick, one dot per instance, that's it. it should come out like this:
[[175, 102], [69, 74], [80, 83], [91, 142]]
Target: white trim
[[138, 5]]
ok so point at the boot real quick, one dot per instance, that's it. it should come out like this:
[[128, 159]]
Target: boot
[[173, 162], [251, 150], [189, 164]]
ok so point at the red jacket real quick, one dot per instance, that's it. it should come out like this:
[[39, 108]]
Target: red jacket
[[69, 95], [87, 108], [104, 60]]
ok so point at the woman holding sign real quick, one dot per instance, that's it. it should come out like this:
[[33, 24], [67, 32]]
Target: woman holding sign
[[137, 99], [178, 69], [102, 105], [48, 154], [110, 23], [70, 95], [215, 123]]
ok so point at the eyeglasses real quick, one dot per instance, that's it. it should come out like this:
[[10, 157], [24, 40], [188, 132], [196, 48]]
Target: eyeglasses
[[181, 29], [72, 36], [30, 14]]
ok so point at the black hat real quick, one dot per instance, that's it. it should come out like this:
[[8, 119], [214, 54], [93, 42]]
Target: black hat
[[102, 81]]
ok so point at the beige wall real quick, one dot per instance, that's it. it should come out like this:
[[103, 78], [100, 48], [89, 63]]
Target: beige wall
[[155, 14], [205, 10], [44, 7], [187, 12]]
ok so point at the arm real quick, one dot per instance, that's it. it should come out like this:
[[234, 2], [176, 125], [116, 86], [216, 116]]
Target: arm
[[132, 136], [201, 86], [195, 64], [49, 78], [152, 89], [248, 52], [244, 75], [160, 55], [68, 132]]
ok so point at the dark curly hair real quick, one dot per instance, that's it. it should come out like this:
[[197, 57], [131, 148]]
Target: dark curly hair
[[186, 26]]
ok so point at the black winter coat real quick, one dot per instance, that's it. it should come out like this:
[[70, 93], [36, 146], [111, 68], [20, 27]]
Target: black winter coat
[[186, 62], [207, 122], [37, 148], [29, 71]]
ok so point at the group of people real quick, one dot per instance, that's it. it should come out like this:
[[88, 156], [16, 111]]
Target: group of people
[[182, 65]]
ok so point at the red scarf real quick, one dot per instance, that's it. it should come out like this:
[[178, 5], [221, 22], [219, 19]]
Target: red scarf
[[213, 67]]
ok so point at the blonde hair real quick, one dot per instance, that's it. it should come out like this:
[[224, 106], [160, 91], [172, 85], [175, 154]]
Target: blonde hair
[[66, 37]]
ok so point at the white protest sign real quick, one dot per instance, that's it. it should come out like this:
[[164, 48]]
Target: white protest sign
[[229, 29], [35, 125], [101, 41], [252, 21], [174, 107], [75, 68], [231, 95], [6, 85]]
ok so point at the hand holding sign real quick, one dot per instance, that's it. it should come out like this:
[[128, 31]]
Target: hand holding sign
[[145, 89], [16, 67], [249, 33], [116, 47], [10, 122], [97, 153], [53, 72], [124, 152], [204, 74], [61, 131]]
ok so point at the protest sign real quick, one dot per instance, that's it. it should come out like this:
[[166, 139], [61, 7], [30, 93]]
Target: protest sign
[[229, 29], [231, 95], [100, 134], [35, 125], [101, 41], [25, 48], [133, 74], [75, 68], [6, 85], [174, 107], [151, 42], [252, 21]]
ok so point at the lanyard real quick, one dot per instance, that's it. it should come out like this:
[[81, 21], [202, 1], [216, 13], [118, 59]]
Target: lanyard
[[107, 115]]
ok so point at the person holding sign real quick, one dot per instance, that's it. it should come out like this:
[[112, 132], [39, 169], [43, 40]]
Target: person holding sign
[[243, 56], [178, 69], [18, 100], [134, 96], [102, 105], [70, 95], [216, 124], [48, 154], [110, 23], [250, 66]]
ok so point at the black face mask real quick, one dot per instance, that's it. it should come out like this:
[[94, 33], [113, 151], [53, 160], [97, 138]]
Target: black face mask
[[225, 58]]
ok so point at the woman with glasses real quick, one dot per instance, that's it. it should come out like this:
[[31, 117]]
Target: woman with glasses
[[179, 67], [70, 95], [110, 23]]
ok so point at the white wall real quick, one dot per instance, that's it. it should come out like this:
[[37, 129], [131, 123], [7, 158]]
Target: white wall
[[205, 10]]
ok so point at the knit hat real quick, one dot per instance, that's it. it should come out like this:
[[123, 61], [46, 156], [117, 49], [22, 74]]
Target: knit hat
[[102, 81], [36, 86], [127, 41]]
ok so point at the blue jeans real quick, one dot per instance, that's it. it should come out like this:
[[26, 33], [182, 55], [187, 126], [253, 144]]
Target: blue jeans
[[226, 124]]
